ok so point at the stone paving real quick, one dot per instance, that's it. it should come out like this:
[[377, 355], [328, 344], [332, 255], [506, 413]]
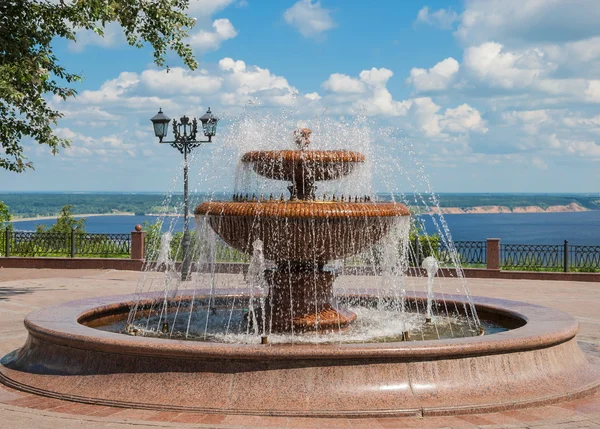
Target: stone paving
[[22, 291]]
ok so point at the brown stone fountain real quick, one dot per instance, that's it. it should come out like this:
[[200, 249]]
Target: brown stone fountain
[[82, 350], [302, 234]]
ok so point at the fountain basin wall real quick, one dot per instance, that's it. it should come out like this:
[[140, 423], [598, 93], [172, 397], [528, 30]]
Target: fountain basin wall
[[539, 362]]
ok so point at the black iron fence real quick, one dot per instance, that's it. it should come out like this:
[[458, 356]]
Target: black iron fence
[[550, 257], [70, 244], [532, 256], [526, 257], [470, 252]]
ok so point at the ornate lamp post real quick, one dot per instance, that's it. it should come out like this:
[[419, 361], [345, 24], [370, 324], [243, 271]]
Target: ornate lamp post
[[184, 141]]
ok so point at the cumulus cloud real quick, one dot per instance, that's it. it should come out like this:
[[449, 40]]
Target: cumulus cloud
[[243, 81], [529, 120], [310, 19], [368, 94], [442, 18], [463, 119], [342, 83], [207, 7], [204, 40], [437, 78], [528, 22], [488, 62]]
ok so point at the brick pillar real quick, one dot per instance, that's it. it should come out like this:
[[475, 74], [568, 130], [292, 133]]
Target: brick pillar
[[493, 254], [137, 243]]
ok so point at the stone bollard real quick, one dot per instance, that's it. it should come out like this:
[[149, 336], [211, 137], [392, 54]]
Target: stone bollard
[[493, 254], [137, 243]]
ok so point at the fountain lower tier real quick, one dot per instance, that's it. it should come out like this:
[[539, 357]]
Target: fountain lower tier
[[301, 236], [536, 362], [302, 230]]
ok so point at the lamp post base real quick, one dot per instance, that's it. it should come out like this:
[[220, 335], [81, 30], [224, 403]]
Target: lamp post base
[[186, 274]]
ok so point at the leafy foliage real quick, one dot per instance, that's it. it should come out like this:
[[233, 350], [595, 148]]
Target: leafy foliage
[[5, 215], [30, 71], [65, 223]]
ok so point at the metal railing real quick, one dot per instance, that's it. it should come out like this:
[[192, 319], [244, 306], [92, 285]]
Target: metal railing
[[71, 244], [532, 256], [584, 258], [527, 257], [471, 252]]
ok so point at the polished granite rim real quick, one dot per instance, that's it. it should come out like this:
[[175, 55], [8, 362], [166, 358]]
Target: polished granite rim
[[544, 327], [537, 363]]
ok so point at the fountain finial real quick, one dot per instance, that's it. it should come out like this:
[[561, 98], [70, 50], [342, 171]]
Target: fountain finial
[[302, 137]]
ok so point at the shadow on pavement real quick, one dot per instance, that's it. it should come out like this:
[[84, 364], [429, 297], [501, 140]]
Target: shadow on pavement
[[7, 292]]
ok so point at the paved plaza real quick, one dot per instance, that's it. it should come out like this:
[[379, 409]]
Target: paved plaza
[[25, 290]]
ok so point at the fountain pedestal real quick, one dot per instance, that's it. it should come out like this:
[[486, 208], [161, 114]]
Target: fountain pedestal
[[300, 299]]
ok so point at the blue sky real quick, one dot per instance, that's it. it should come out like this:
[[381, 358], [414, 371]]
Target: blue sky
[[494, 95]]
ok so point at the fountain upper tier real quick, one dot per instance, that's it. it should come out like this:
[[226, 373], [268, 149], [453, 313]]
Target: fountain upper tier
[[303, 167]]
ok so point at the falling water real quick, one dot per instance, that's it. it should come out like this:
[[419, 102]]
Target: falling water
[[431, 266], [257, 289], [228, 296]]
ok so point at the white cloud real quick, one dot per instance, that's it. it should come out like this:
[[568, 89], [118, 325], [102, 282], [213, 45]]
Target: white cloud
[[580, 148], [442, 18], [529, 120], [244, 81], [424, 111], [311, 20], [460, 120], [110, 90], [376, 77], [437, 78], [366, 95], [313, 96], [463, 119], [489, 63], [528, 22], [580, 51], [342, 83], [207, 7], [211, 40]]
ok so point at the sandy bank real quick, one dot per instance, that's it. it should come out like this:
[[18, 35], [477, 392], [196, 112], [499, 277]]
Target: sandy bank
[[573, 207]]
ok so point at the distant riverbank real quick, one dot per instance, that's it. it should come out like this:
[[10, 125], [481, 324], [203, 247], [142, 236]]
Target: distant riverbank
[[569, 208]]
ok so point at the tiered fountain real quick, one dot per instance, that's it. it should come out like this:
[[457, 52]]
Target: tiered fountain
[[534, 360], [302, 234]]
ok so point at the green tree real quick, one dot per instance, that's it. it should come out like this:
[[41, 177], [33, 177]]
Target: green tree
[[30, 71], [65, 222], [5, 216]]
